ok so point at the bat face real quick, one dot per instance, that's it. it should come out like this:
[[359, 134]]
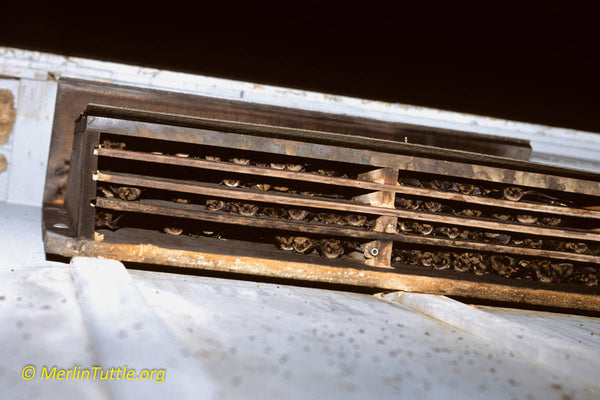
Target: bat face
[[248, 209], [502, 264], [107, 193], [464, 234], [512, 193], [470, 213], [414, 257], [576, 247], [260, 186], [234, 207], [355, 220], [400, 256], [587, 278], [413, 204], [527, 219], [173, 231], [496, 237], [400, 202], [423, 229], [303, 244], [522, 269], [543, 270], [215, 205], [452, 232], [285, 242], [408, 181], [240, 161], [129, 193], [479, 268], [230, 182], [533, 243], [432, 206], [212, 234], [404, 226], [297, 214], [108, 144], [331, 248], [326, 172], [272, 212], [294, 167], [351, 246], [466, 188], [427, 259], [502, 217], [107, 220], [329, 218], [551, 221], [441, 261], [562, 271], [277, 165], [461, 263]]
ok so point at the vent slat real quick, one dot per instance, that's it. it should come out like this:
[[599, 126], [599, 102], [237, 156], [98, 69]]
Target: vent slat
[[330, 180], [340, 205], [197, 212]]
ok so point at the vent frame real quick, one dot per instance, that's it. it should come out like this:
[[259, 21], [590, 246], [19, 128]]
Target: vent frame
[[78, 238]]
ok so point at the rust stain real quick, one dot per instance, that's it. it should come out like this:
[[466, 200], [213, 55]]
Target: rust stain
[[377, 278], [3, 163], [7, 114]]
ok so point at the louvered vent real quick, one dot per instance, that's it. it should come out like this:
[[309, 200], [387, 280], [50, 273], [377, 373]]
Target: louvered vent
[[328, 207]]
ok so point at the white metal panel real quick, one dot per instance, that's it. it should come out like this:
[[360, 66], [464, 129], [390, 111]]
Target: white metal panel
[[41, 325], [31, 142], [264, 340], [575, 328], [20, 236], [557, 353], [126, 333]]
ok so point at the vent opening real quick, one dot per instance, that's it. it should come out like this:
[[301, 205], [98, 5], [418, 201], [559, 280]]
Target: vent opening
[[304, 205]]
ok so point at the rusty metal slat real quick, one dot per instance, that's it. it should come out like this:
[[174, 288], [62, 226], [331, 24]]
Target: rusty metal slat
[[208, 189], [297, 200], [367, 276], [238, 168], [358, 155], [362, 184], [170, 209], [74, 95], [197, 212], [329, 137], [494, 248]]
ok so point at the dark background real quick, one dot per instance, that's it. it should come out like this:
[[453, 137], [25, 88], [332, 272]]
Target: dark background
[[526, 61]]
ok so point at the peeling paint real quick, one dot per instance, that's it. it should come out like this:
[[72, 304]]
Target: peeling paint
[[3, 163], [7, 114]]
